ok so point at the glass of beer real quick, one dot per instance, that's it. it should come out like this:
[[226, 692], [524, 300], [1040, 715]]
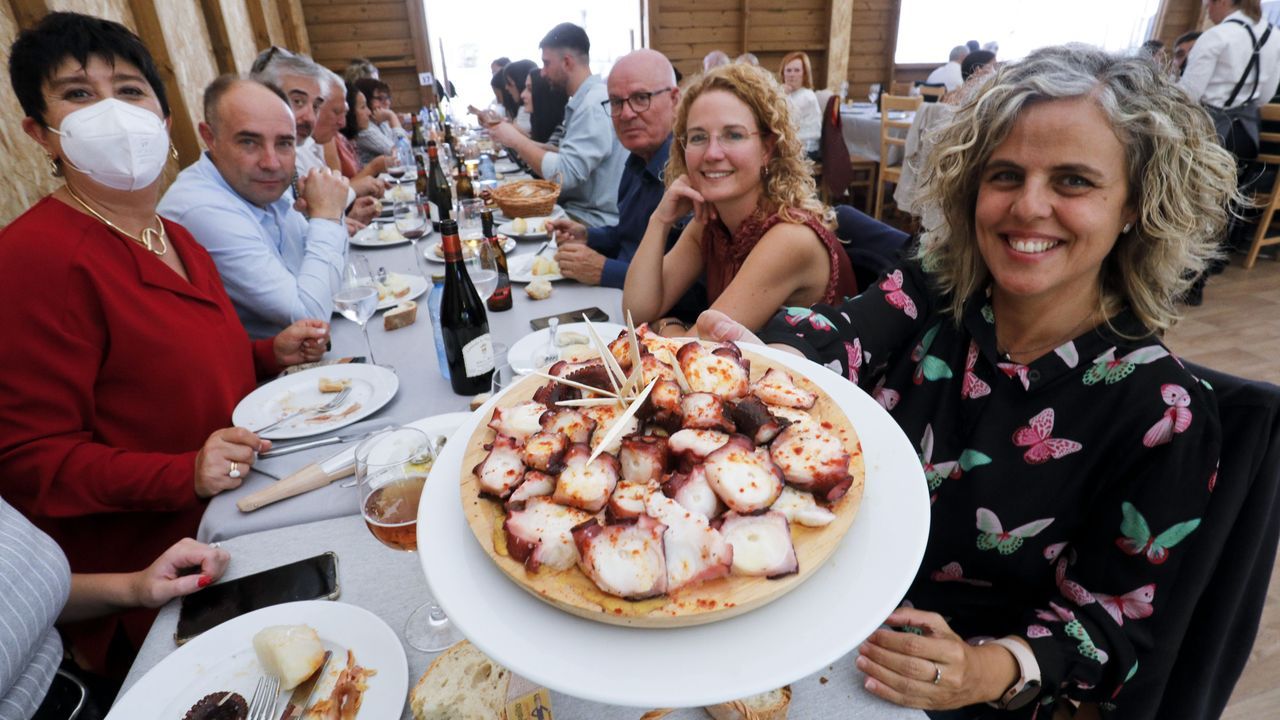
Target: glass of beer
[[391, 471]]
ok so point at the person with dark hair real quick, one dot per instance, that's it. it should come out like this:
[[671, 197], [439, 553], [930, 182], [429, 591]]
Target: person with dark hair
[[546, 107], [973, 46], [130, 357], [379, 134], [358, 69], [516, 76], [278, 265], [976, 62], [587, 161], [499, 64], [1182, 48], [503, 102]]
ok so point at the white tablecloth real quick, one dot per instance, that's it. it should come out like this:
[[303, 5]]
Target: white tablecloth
[[861, 128]]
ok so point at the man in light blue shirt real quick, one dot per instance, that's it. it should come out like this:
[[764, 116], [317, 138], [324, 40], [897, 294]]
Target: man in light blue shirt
[[589, 160], [277, 265]]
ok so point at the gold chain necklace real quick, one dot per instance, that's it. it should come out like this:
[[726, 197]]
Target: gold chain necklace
[[1007, 354], [148, 234]]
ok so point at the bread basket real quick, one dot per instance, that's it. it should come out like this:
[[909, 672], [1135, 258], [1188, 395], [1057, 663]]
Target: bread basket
[[526, 198]]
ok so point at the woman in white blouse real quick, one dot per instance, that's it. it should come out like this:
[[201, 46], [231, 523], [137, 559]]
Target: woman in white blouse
[[797, 83]]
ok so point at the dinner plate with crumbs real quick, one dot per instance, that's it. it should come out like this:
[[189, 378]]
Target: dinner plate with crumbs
[[435, 252], [371, 388], [223, 660]]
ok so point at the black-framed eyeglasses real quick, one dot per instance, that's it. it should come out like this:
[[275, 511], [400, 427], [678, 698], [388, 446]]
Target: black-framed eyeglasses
[[639, 102]]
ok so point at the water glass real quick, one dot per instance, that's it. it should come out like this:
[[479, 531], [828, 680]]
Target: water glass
[[356, 297], [469, 225]]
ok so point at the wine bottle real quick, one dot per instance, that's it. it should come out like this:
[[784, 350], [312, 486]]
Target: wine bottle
[[467, 346], [420, 185], [439, 195], [462, 181], [492, 248], [416, 137]]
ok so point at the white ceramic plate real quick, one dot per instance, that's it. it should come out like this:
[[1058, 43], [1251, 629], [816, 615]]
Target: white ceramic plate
[[223, 659], [371, 387], [523, 354], [434, 253], [790, 638], [407, 192], [369, 236], [505, 167], [519, 270], [417, 286], [556, 212]]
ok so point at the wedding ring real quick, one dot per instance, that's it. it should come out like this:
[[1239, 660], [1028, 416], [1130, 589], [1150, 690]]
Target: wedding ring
[[937, 674], [234, 472]]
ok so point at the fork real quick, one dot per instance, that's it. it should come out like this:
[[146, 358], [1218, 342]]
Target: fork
[[263, 704], [552, 351], [335, 402]]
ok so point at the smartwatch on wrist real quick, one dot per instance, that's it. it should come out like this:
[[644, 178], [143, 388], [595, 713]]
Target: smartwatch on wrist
[[1027, 686]]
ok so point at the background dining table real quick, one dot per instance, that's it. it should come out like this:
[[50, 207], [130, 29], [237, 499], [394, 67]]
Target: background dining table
[[860, 124]]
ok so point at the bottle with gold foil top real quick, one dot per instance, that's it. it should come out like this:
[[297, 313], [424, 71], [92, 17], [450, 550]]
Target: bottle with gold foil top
[[462, 182], [492, 248], [468, 347]]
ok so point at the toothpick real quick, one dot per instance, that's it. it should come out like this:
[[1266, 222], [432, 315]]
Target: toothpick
[[685, 387], [588, 402], [620, 424], [575, 384], [637, 363], [610, 362]]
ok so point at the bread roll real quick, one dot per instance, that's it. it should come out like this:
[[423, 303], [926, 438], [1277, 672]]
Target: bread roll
[[770, 705], [404, 314], [538, 289], [289, 652], [461, 684]]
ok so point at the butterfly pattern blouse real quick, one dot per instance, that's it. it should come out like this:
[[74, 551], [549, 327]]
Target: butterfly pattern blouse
[[1064, 492]]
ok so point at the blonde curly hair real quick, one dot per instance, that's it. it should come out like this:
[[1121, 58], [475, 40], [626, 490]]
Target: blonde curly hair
[[1180, 180], [789, 183]]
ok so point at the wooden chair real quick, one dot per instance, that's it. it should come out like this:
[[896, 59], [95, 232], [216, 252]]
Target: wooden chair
[[1270, 200], [840, 173], [933, 93], [900, 88], [890, 104]]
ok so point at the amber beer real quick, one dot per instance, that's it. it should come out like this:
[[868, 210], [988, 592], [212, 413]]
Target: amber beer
[[391, 512]]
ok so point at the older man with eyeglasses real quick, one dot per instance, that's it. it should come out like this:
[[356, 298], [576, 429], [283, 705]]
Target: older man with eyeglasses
[[642, 103]]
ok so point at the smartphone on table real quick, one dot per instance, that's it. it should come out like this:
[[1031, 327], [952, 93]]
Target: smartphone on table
[[315, 578], [594, 314]]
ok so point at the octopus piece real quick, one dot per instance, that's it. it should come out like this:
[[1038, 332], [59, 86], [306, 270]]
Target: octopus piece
[[693, 492], [813, 459], [628, 500], [518, 421], [694, 551], [540, 535], [545, 451], [643, 458], [553, 392], [696, 445], [583, 485], [535, 484], [777, 388], [761, 544], [704, 411], [722, 371], [800, 508], [620, 349], [626, 561], [655, 368], [564, 368], [605, 416], [792, 415], [743, 476], [656, 343], [664, 401], [502, 469], [573, 424], [754, 420], [593, 374]]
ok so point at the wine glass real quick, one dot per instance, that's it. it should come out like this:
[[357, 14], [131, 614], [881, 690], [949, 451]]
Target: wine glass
[[411, 221], [391, 471], [483, 269], [874, 94], [357, 296]]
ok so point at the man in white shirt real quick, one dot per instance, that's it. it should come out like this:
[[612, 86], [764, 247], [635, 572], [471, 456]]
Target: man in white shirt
[[1218, 60], [949, 74], [588, 160]]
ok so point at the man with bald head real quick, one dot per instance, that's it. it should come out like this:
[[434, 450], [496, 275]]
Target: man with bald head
[[642, 103], [277, 265]]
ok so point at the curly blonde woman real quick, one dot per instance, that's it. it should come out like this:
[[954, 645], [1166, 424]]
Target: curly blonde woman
[[1070, 458], [758, 236]]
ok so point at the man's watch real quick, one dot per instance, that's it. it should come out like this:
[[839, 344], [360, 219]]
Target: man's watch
[[1027, 686]]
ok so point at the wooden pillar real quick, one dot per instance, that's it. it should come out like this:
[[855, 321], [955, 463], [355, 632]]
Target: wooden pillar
[[28, 12], [183, 132], [655, 14], [891, 47], [839, 43], [219, 36], [421, 47], [258, 21], [295, 26], [745, 14]]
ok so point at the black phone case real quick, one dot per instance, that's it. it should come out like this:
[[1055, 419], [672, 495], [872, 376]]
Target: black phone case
[[594, 314]]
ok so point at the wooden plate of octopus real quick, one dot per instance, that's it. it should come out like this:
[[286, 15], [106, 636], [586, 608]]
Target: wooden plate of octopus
[[732, 482]]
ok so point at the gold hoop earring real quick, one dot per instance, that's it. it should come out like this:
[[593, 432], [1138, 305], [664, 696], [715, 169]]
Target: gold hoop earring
[[173, 151], [54, 169]]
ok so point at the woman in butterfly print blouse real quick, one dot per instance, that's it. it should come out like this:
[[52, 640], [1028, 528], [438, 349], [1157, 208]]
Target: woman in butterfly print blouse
[[1069, 456]]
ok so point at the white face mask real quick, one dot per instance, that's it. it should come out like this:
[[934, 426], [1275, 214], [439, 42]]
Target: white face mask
[[116, 144]]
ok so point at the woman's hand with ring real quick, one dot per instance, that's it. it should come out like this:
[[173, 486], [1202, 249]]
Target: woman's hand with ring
[[225, 460], [935, 670], [303, 341]]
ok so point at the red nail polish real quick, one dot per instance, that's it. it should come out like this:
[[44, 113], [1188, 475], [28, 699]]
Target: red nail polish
[[204, 581]]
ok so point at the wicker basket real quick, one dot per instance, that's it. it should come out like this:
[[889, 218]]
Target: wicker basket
[[526, 198]]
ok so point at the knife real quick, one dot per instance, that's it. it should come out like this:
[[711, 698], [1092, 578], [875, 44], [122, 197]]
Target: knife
[[301, 696], [313, 476], [307, 445]]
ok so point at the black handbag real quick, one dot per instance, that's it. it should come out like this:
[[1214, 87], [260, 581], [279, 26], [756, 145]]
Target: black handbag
[[1237, 127]]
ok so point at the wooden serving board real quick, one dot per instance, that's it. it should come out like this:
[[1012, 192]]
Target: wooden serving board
[[575, 593]]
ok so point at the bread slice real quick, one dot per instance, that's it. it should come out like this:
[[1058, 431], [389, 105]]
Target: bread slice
[[402, 315], [461, 684], [770, 705]]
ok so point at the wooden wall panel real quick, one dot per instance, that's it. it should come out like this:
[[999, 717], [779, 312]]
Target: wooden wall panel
[[244, 48], [25, 166], [117, 10], [190, 52], [1179, 16]]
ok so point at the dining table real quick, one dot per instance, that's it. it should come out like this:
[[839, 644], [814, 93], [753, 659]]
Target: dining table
[[860, 124], [364, 566]]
